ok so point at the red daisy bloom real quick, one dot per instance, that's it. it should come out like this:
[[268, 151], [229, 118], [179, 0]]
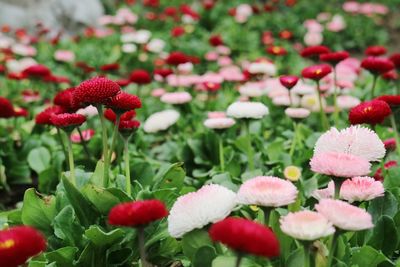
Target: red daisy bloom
[[378, 174], [67, 120], [95, 91], [177, 58], [123, 102], [44, 116], [216, 40], [140, 77], [376, 50], [334, 57], [370, 112], [6, 108], [316, 72], [36, 71], [314, 51], [392, 100], [289, 81], [377, 65]]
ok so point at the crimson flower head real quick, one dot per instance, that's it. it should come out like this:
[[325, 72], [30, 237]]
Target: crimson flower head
[[216, 40], [137, 213], [18, 244], [377, 65], [36, 71], [390, 144], [316, 72], [126, 128], [110, 67], [123, 102], [123, 82], [289, 81], [170, 11], [334, 57], [163, 72], [245, 236], [177, 31], [211, 87], [370, 112], [20, 112], [96, 91], [43, 117], [314, 51], [390, 75], [276, 50], [140, 76], [395, 58], [392, 100], [375, 51], [110, 115], [378, 174], [65, 99], [67, 120], [6, 108], [177, 58]]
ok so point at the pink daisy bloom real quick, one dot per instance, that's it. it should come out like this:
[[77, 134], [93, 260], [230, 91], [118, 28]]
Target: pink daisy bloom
[[361, 189], [339, 164], [344, 215], [267, 191], [176, 98], [219, 123]]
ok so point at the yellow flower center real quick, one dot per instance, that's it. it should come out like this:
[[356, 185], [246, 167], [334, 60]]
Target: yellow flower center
[[9, 243], [254, 208], [292, 173], [318, 71]]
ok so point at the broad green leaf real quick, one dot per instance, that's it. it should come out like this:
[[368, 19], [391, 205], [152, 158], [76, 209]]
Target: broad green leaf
[[171, 176], [384, 236], [98, 175], [103, 239], [39, 159], [296, 258], [67, 228], [204, 257], [386, 205], [100, 198], [367, 256], [63, 257], [194, 240], [227, 261]]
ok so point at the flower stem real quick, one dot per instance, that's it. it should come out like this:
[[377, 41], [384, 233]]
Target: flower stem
[[335, 92], [250, 151], [324, 119], [338, 184], [84, 144], [294, 141], [71, 163], [127, 168], [60, 139], [373, 86], [332, 248], [114, 137], [307, 254], [142, 249], [221, 154], [396, 133], [105, 146], [238, 260]]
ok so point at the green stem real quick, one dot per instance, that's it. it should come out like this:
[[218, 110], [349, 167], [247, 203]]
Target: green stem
[[127, 168], [84, 144], [114, 137], [294, 141], [396, 133], [71, 163], [338, 184], [250, 152], [105, 146], [142, 248], [238, 260], [60, 139], [373, 86], [267, 215], [332, 248], [324, 119], [307, 254], [221, 154], [335, 92]]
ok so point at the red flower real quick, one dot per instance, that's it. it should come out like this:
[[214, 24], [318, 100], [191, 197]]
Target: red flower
[[245, 236], [15, 76], [95, 91], [65, 99], [378, 174], [20, 112], [85, 67], [316, 72], [123, 102], [390, 75], [390, 144], [392, 100], [177, 31], [56, 79], [18, 244], [377, 65], [163, 72], [128, 127], [276, 50], [6, 108], [211, 87], [151, 3], [334, 57], [110, 67], [215, 40], [170, 11], [86, 134], [37, 71], [137, 213], [375, 51], [65, 120], [289, 81], [176, 58], [285, 34], [314, 51], [187, 10], [395, 58], [123, 82], [110, 115], [44, 116], [370, 112], [140, 77]]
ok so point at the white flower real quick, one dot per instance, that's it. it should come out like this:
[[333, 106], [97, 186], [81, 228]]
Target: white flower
[[347, 101], [14, 65], [306, 225], [209, 204], [219, 123], [185, 68], [251, 90], [129, 48], [264, 67], [139, 37], [249, 110], [297, 113], [311, 102], [88, 111], [156, 45], [355, 140], [161, 121], [176, 98]]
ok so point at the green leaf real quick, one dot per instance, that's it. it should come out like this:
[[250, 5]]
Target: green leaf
[[204, 257], [226, 261], [67, 228], [64, 257], [194, 240], [39, 159], [100, 198], [85, 212], [367, 256], [170, 176], [103, 239], [386, 205], [296, 258], [384, 236], [98, 175], [38, 211]]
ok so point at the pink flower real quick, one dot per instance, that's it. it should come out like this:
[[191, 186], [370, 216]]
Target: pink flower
[[313, 38], [344, 215], [361, 189], [313, 26], [231, 73], [351, 7], [211, 56], [327, 192], [158, 92], [223, 50], [64, 56], [219, 123], [86, 134], [339, 164], [347, 101], [297, 113], [224, 61], [211, 77], [216, 114], [267, 191], [306, 225], [176, 98], [337, 24]]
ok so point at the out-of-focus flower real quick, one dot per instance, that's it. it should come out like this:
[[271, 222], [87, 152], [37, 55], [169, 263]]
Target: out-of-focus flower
[[6, 108], [379, 173], [377, 65], [390, 144], [289, 81], [370, 112], [215, 40], [176, 58], [129, 48], [219, 123], [313, 38], [263, 67], [176, 98], [86, 134], [395, 58], [375, 51], [247, 110], [392, 100], [297, 113], [344, 215], [339, 164], [306, 225], [155, 46], [64, 55], [140, 76], [347, 101], [36, 71], [334, 57], [245, 236], [267, 191], [161, 121], [276, 50], [316, 72], [314, 51], [194, 210], [311, 102]]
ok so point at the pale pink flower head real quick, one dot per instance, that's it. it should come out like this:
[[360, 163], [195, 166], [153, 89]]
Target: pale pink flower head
[[351, 7], [223, 50], [219, 123], [88, 111], [285, 100], [24, 50], [194, 210], [337, 24], [86, 134], [381, 9], [211, 56], [158, 92], [297, 113], [224, 61], [354, 140], [313, 25], [362, 188], [211, 77], [176, 98], [216, 114], [339, 164], [327, 192], [267, 191], [347, 101], [344, 215], [367, 9], [231, 73], [306, 225], [64, 55]]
